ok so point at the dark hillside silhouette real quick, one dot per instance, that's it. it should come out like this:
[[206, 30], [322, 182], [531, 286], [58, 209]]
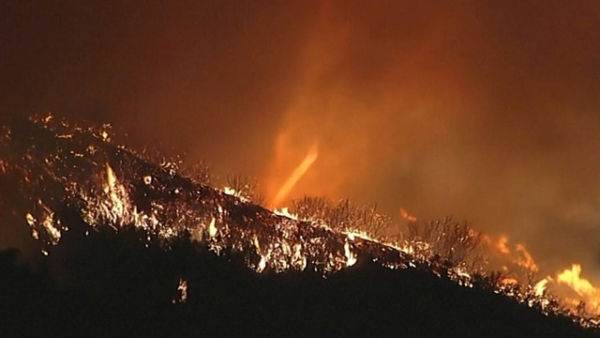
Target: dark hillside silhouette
[[113, 285]]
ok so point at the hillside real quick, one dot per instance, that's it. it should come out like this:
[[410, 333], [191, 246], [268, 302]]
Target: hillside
[[133, 247]]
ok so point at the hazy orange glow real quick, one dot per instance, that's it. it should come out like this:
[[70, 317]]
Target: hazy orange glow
[[405, 215], [501, 245]]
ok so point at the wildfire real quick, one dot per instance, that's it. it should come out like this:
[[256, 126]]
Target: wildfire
[[232, 192], [519, 256], [526, 260], [296, 175], [285, 212], [164, 206], [117, 206], [583, 287]]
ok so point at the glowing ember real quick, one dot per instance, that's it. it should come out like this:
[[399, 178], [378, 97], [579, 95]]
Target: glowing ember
[[182, 292], [30, 220], [54, 233]]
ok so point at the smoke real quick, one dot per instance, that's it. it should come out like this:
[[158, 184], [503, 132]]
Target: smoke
[[484, 111]]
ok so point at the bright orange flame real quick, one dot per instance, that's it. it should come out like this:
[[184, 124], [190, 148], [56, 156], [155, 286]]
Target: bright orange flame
[[540, 287], [526, 260], [573, 279], [296, 175], [111, 178], [583, 287]]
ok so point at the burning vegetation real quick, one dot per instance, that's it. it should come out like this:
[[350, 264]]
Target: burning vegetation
[[73, 178]]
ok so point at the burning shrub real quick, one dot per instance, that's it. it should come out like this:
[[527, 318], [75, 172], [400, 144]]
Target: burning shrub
[[198, 172], [451, 240], [245, 187], [343, 215]]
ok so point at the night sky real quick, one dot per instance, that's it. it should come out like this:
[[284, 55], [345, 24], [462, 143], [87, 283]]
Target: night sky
[[488, 111]]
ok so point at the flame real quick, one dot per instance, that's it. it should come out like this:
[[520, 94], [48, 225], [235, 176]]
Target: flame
[[230, 191], [111, 179], [30, 219], [526, 260], [118, 203], [540, 287], [350, 256], [583, 287], [520, 256], [509, 281], [296, 175], [285, 212], [53, 232], [182, 292], [262, 264], [31, 222], [405, 215], [212, 229]]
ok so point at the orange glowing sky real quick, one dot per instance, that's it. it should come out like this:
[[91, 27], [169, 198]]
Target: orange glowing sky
[[485, 110]]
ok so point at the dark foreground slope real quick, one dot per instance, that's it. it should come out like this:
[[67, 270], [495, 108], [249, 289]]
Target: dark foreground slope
[[108, 285]]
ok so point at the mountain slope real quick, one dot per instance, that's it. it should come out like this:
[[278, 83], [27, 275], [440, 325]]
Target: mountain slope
[[135, 247]]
